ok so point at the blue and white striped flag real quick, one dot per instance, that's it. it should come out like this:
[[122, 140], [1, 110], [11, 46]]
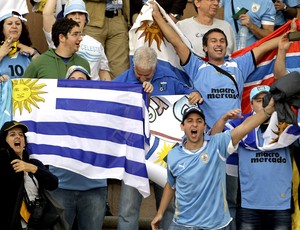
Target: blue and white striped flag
[[5, 102], [94, 128]]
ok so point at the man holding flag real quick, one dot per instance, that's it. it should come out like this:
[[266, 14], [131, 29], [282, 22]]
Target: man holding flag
[[209, 78], [156, 80], [219, 81]]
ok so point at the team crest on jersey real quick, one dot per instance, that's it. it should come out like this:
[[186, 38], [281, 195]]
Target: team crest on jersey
[[162, 86], [255, 7], [204, 157]]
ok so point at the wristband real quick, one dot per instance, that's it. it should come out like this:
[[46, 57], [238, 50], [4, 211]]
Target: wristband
[[177, 16], [266, 113], [34, 53]]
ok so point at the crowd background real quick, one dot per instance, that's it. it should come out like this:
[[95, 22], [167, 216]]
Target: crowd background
[[37, 36]]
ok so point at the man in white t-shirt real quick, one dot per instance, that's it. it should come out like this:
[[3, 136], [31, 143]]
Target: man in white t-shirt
[[195, 27]]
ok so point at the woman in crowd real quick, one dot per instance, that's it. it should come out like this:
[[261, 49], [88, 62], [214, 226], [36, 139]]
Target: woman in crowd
[[19, 176], [15, 45]]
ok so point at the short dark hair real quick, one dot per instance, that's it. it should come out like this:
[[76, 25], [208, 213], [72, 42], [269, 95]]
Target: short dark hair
[[62, 26], [217, 30], [205, 37]]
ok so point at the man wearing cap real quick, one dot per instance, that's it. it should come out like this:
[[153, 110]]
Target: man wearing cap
[[220, 81], [265, 199], [280, 70], [196, 171], [54, 63], [90, 48]]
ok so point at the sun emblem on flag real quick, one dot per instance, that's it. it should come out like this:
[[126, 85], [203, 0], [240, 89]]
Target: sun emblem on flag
[[151, 32], [25, 93], [162, 155]]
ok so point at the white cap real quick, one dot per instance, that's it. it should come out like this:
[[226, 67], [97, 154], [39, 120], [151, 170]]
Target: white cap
[[74, 68], [76, 6], [11, 13]]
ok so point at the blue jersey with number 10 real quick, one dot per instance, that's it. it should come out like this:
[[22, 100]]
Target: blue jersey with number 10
[[15, 66]]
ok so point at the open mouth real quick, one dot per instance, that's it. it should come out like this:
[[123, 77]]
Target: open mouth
[[17, 144], [194, 133]]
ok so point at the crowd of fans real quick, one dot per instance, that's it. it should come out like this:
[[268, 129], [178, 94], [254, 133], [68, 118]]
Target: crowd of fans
[[89, 40]]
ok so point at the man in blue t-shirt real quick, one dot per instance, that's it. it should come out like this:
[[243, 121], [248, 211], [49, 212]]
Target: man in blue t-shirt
[[196, 171], [280, 70], [220, 91], [265, 200]]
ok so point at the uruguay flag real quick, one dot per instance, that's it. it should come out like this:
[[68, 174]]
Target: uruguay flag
[[145, 32], [94, 128], [5, 102]]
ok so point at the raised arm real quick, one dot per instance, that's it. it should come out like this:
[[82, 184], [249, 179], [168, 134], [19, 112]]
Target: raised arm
[[170, 34], [280, 66], [251, 123], [270, 44], [265, 47], [48, 15], [283, 45], [220, 124]]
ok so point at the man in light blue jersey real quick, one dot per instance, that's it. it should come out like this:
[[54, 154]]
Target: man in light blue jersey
[[259, 18], [196, 171], [265, 200], [219, 91], [281, 68]]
